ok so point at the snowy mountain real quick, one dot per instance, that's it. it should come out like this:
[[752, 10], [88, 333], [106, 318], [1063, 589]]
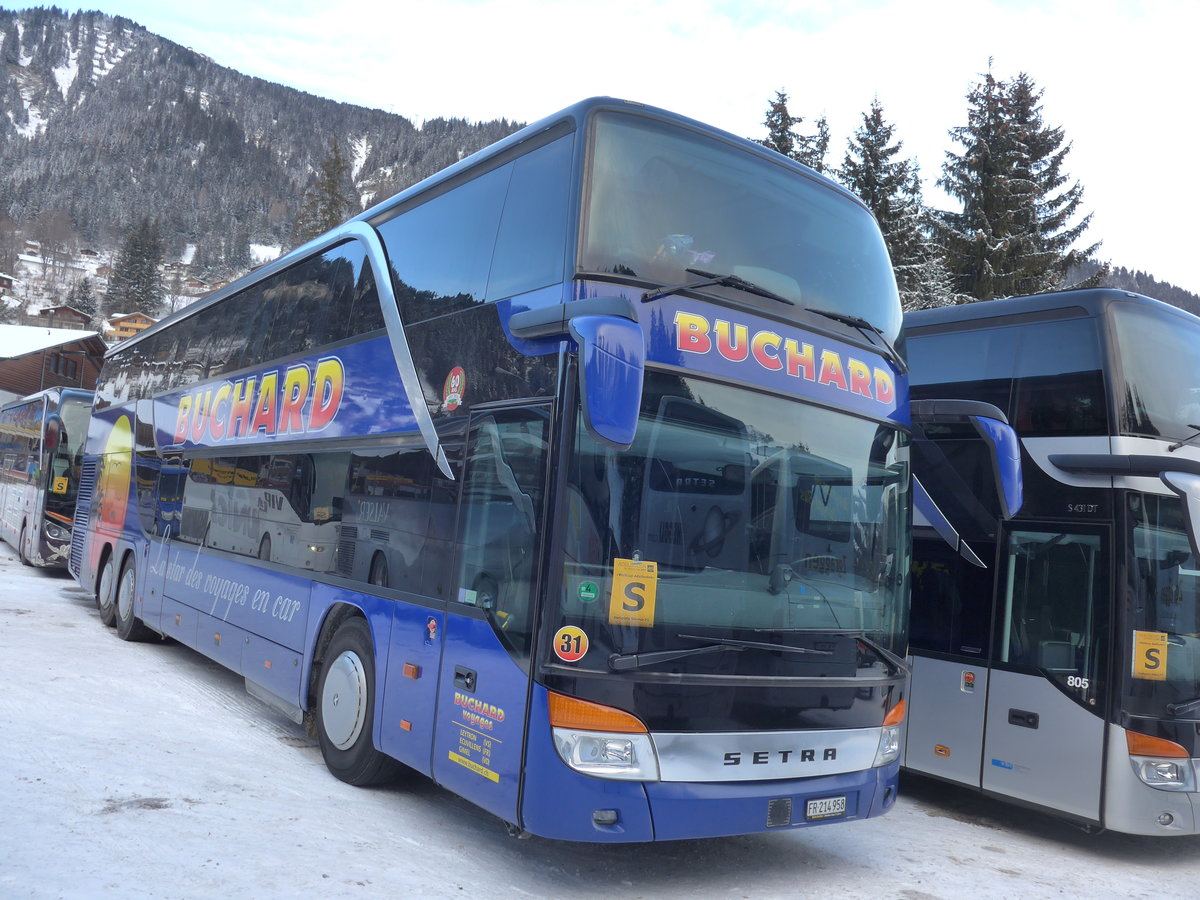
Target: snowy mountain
[[108, 122]]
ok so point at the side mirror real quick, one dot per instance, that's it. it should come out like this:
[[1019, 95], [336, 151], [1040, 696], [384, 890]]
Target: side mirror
[[1004, 451], [612, 359], [1187, 486]]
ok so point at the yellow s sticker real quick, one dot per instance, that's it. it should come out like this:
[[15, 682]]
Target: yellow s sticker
[[634, 590], [1150, 655]]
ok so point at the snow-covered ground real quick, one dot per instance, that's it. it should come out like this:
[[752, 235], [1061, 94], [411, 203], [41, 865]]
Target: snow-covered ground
[[144, 770]]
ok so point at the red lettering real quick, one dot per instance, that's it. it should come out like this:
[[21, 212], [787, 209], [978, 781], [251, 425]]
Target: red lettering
[[860, 378], [295, 393], [831, 370], [240, 406], [691, 333], [763, 342], [800, 360], [733, 347], [267, 406]]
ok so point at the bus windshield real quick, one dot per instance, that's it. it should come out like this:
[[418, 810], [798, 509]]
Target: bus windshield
[[1165, 582], [1157, 400], [663, 200], [766, 520], [65, 458]]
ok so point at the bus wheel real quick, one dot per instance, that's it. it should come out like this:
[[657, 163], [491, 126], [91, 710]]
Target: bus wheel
[[346, 706], [21, 547], [129, 626], [105, 589]]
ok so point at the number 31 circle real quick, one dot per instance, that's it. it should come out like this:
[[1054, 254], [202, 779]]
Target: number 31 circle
[[570, 643]]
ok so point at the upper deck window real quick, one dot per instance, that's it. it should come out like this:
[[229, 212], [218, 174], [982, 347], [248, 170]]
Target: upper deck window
[[663, 199], [1160, 396]]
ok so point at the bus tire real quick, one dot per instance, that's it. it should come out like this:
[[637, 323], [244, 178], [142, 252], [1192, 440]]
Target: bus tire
[[21, 546], [106, 592], [345, 707], [129, 626]]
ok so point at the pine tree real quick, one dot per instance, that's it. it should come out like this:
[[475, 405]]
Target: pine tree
[[784, 137], [329, 201], [82, 297], [136, 284], [1012, 235], [890, 186], [812, 149], [781, 127]]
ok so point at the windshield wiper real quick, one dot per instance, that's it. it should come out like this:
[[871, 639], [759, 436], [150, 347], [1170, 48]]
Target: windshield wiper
[[1178, 709], [884, 653], [866, 329], [1187, 440], [620, 662], [709, 278]]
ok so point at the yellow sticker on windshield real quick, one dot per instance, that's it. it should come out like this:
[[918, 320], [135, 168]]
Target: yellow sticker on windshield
[[634, 589], [1150, 655], [60, 486]]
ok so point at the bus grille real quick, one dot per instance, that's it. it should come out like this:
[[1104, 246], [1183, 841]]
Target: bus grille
[[83, 513]]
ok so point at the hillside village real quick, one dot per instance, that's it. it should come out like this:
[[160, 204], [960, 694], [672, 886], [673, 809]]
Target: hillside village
[[45, 341], [37, 292]]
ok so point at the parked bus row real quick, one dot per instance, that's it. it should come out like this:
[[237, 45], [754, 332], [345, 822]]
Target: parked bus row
[[579, 478]]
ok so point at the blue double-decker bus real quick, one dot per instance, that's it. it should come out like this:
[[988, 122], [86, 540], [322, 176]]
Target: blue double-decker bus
[[574, 477]]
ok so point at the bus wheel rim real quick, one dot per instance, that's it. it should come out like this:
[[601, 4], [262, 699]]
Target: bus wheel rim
[[344, 700], [105, 592], [125, 596]]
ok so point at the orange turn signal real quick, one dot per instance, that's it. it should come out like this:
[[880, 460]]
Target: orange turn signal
[[568, 712], [1144, 745], [895, 715]]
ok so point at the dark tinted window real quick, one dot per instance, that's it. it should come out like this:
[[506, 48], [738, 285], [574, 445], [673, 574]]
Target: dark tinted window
[[531, 245], [972, 365], [1161, 368], [951, 600], [663, 199], [1046, 376], [441, 251], [1060, 382]]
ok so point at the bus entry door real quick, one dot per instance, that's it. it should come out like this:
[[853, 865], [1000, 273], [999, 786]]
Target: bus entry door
[[1045, 713], [483, 691]]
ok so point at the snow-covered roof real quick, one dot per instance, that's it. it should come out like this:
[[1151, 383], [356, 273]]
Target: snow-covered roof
[[6, 275], [18, 340]]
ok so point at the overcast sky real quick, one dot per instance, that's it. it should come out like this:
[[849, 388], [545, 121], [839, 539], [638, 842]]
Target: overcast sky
[[1119, 75]]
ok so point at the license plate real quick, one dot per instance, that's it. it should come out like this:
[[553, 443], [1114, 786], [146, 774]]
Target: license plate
[[825, 808]]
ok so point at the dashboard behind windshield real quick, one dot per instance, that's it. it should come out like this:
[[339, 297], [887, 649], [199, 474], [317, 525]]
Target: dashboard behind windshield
[[662, 200]]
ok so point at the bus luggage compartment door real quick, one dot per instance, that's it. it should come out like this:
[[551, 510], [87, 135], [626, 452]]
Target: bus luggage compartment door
[[945, 719]]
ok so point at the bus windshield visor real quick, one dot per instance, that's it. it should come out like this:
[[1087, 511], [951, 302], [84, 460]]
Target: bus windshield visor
[[664, 200], [764, 534], [1164, 678]]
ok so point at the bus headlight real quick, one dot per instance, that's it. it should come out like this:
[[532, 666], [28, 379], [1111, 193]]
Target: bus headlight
[[601, 740], [56, 532], [889, 736], [629, 757], [1161, 764], [1165, 774], [889, 745]]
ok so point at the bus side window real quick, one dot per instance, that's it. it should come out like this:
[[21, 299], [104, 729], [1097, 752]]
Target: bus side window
[[501, 510]]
